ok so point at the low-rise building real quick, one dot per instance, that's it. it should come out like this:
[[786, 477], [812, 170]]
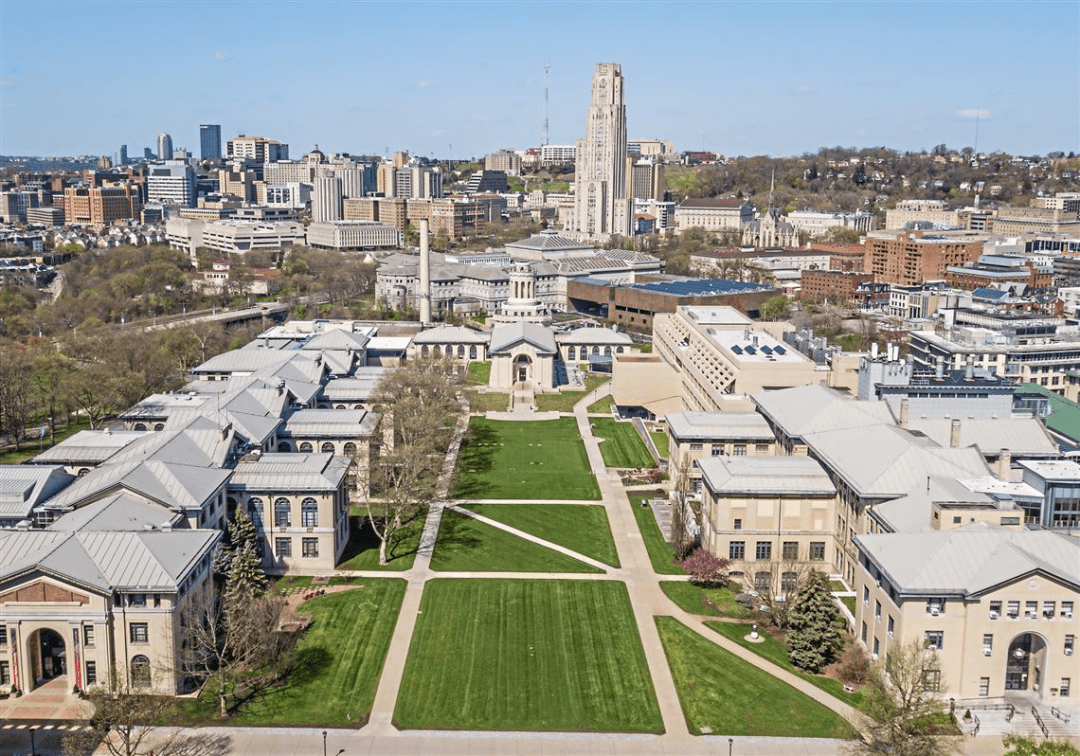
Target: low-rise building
[[713, 214], [354, 234]]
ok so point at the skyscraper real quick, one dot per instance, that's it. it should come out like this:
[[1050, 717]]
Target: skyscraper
[[600, 205], [210, 141], [326, 201], [164, 146]]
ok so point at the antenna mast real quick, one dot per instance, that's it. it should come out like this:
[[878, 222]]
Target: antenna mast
[[547, 68], [978, 112]]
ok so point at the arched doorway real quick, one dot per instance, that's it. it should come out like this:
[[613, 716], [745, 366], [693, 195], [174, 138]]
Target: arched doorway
[[52, 655], [522, 363], [1025, 664]]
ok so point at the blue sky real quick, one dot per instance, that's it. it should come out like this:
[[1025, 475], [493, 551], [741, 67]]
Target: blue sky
[[361, 77]]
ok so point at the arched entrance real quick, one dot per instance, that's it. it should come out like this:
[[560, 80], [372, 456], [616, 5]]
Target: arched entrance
[[52, 655], [522, 363], [1025, 664]]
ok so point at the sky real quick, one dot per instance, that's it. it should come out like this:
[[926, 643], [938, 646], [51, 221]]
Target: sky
[[465, 78]]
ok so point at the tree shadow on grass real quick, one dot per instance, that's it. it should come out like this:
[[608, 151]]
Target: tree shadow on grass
[[474, 461], [272, 697], [362, 538], [456, 534]]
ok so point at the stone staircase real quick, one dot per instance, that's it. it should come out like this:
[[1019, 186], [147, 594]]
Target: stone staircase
[[995, 720]]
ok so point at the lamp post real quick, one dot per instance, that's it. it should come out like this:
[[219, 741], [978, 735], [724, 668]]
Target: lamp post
[[730, 743], [324, 743], [33, 749]]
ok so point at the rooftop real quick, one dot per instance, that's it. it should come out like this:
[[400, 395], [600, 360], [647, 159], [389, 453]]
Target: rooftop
[[700, 287], [766, 476], [719, 425]]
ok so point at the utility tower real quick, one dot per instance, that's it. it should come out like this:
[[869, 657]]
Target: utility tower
[[547, 68]]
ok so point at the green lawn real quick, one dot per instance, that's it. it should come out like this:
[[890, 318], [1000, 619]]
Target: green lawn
[[31, 448], [622, 446], [713, 602], [583, 528], [720, 693], [660, 440], [602, 405], [565, 401], [480, 373], [849, 602], [362, 550], [340, 660], [524, 460], [777, 653], [558, 655], [661, 555], [467, 545], [488, 402]]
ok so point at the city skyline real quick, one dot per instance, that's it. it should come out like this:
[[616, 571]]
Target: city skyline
[[736, 78]]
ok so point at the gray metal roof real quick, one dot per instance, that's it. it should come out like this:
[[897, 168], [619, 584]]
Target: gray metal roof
[[911, 513], [972, 559], [507, 335], [709, 426], [812, 409], [89, 447], [331, 423], [1021, 435], [151, 561], [765, 476], [351, 389], [451, 334], [336, 338], [171, 484], [23, 487], [595, 336], [122, 511], [290, 472]]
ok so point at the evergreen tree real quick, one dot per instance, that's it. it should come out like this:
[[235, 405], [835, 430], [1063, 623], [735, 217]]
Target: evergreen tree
[[246, 580], [814, 635]]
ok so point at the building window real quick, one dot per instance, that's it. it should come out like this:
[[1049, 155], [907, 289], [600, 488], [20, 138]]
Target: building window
[[737, 550], [91, 673], [866, 595], [696, 447], [934, 639], [877, 647], [717, 450], [762, 581], [140, 633], [761, 448], [984, 687], [350, 449], [988, 642], [738, 524], [1066, 609], [140, 672], [789, 581], [157, 599], [88, 635], [1048, 608], [472, 352], [1014, 609], [763, 550], [863, 634], [309, 512], [255, 509], [282, 513], [1031, 609], [283, 547], [931, 680], [310, 547], [5, 673], [740, 450], [892, 626], [877, 611], [935, 606], [327, 447], [791, 550], [137, 599], [817, 551], [3, 635], [995, 609], [1066, 684], [1070, 643], [305, 448]]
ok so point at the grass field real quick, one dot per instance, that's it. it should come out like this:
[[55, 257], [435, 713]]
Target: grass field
[[362, 551], [467, 545], [777, 653], [488, 402], [661, 555], [660, 440], [479, 373], [524, 460], [30, 448], [713, 602], [602, 405], [622, 446], [341, 658], [565, 401], [721, 693], [584, 528], [527, 655]]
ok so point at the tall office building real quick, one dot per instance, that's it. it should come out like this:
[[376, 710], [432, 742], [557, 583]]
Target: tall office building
[[122, 157], [164, 146], [601, 207], [326, 201], [172, 184], [210, 141]]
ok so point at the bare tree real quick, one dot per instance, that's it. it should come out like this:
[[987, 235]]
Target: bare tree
[[905, 715], [681, 513], [419, 405], [786, 577]]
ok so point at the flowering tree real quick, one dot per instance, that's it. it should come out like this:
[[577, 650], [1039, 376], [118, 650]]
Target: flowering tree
[[704, 567]]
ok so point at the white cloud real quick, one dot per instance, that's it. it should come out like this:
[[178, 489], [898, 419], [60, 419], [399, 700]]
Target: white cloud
[[220, 55], [423, 84], [803, 88], [973, 113]]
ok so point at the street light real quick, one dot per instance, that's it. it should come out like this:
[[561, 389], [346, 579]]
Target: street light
[[730, 743], [324, 743], [33, 750]]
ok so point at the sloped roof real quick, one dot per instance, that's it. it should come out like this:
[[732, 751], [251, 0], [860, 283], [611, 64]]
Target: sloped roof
[[122, 511], [595, 336], [712, 202], [911, 513], [1020, 435], [884, 461], [546, 240], [450, 334], [89, 447], [507, 335], [290, 472], [719, 425], [972, 559], [765, 476], [23, 487], [813, 409], [107, 560], [1064, 417], [337, 338], [331, 423]]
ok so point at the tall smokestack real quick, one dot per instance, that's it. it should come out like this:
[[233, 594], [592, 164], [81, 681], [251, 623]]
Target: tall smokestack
[[425, 274]]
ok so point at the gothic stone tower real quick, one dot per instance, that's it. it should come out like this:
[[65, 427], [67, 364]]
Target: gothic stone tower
[[600, 181]]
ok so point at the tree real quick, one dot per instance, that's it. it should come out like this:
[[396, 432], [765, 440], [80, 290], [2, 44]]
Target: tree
[[815, 635], [776, 308], [681, 510], [705, 568], [905, 717], [1019, 745]]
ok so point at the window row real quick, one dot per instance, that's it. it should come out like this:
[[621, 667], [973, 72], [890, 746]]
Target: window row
[[1031, 609], [309, 547], [763, 549], [309, 512], [438, 351]]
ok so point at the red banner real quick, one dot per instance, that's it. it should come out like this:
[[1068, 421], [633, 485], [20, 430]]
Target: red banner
[[78, 657], [15, 659]]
